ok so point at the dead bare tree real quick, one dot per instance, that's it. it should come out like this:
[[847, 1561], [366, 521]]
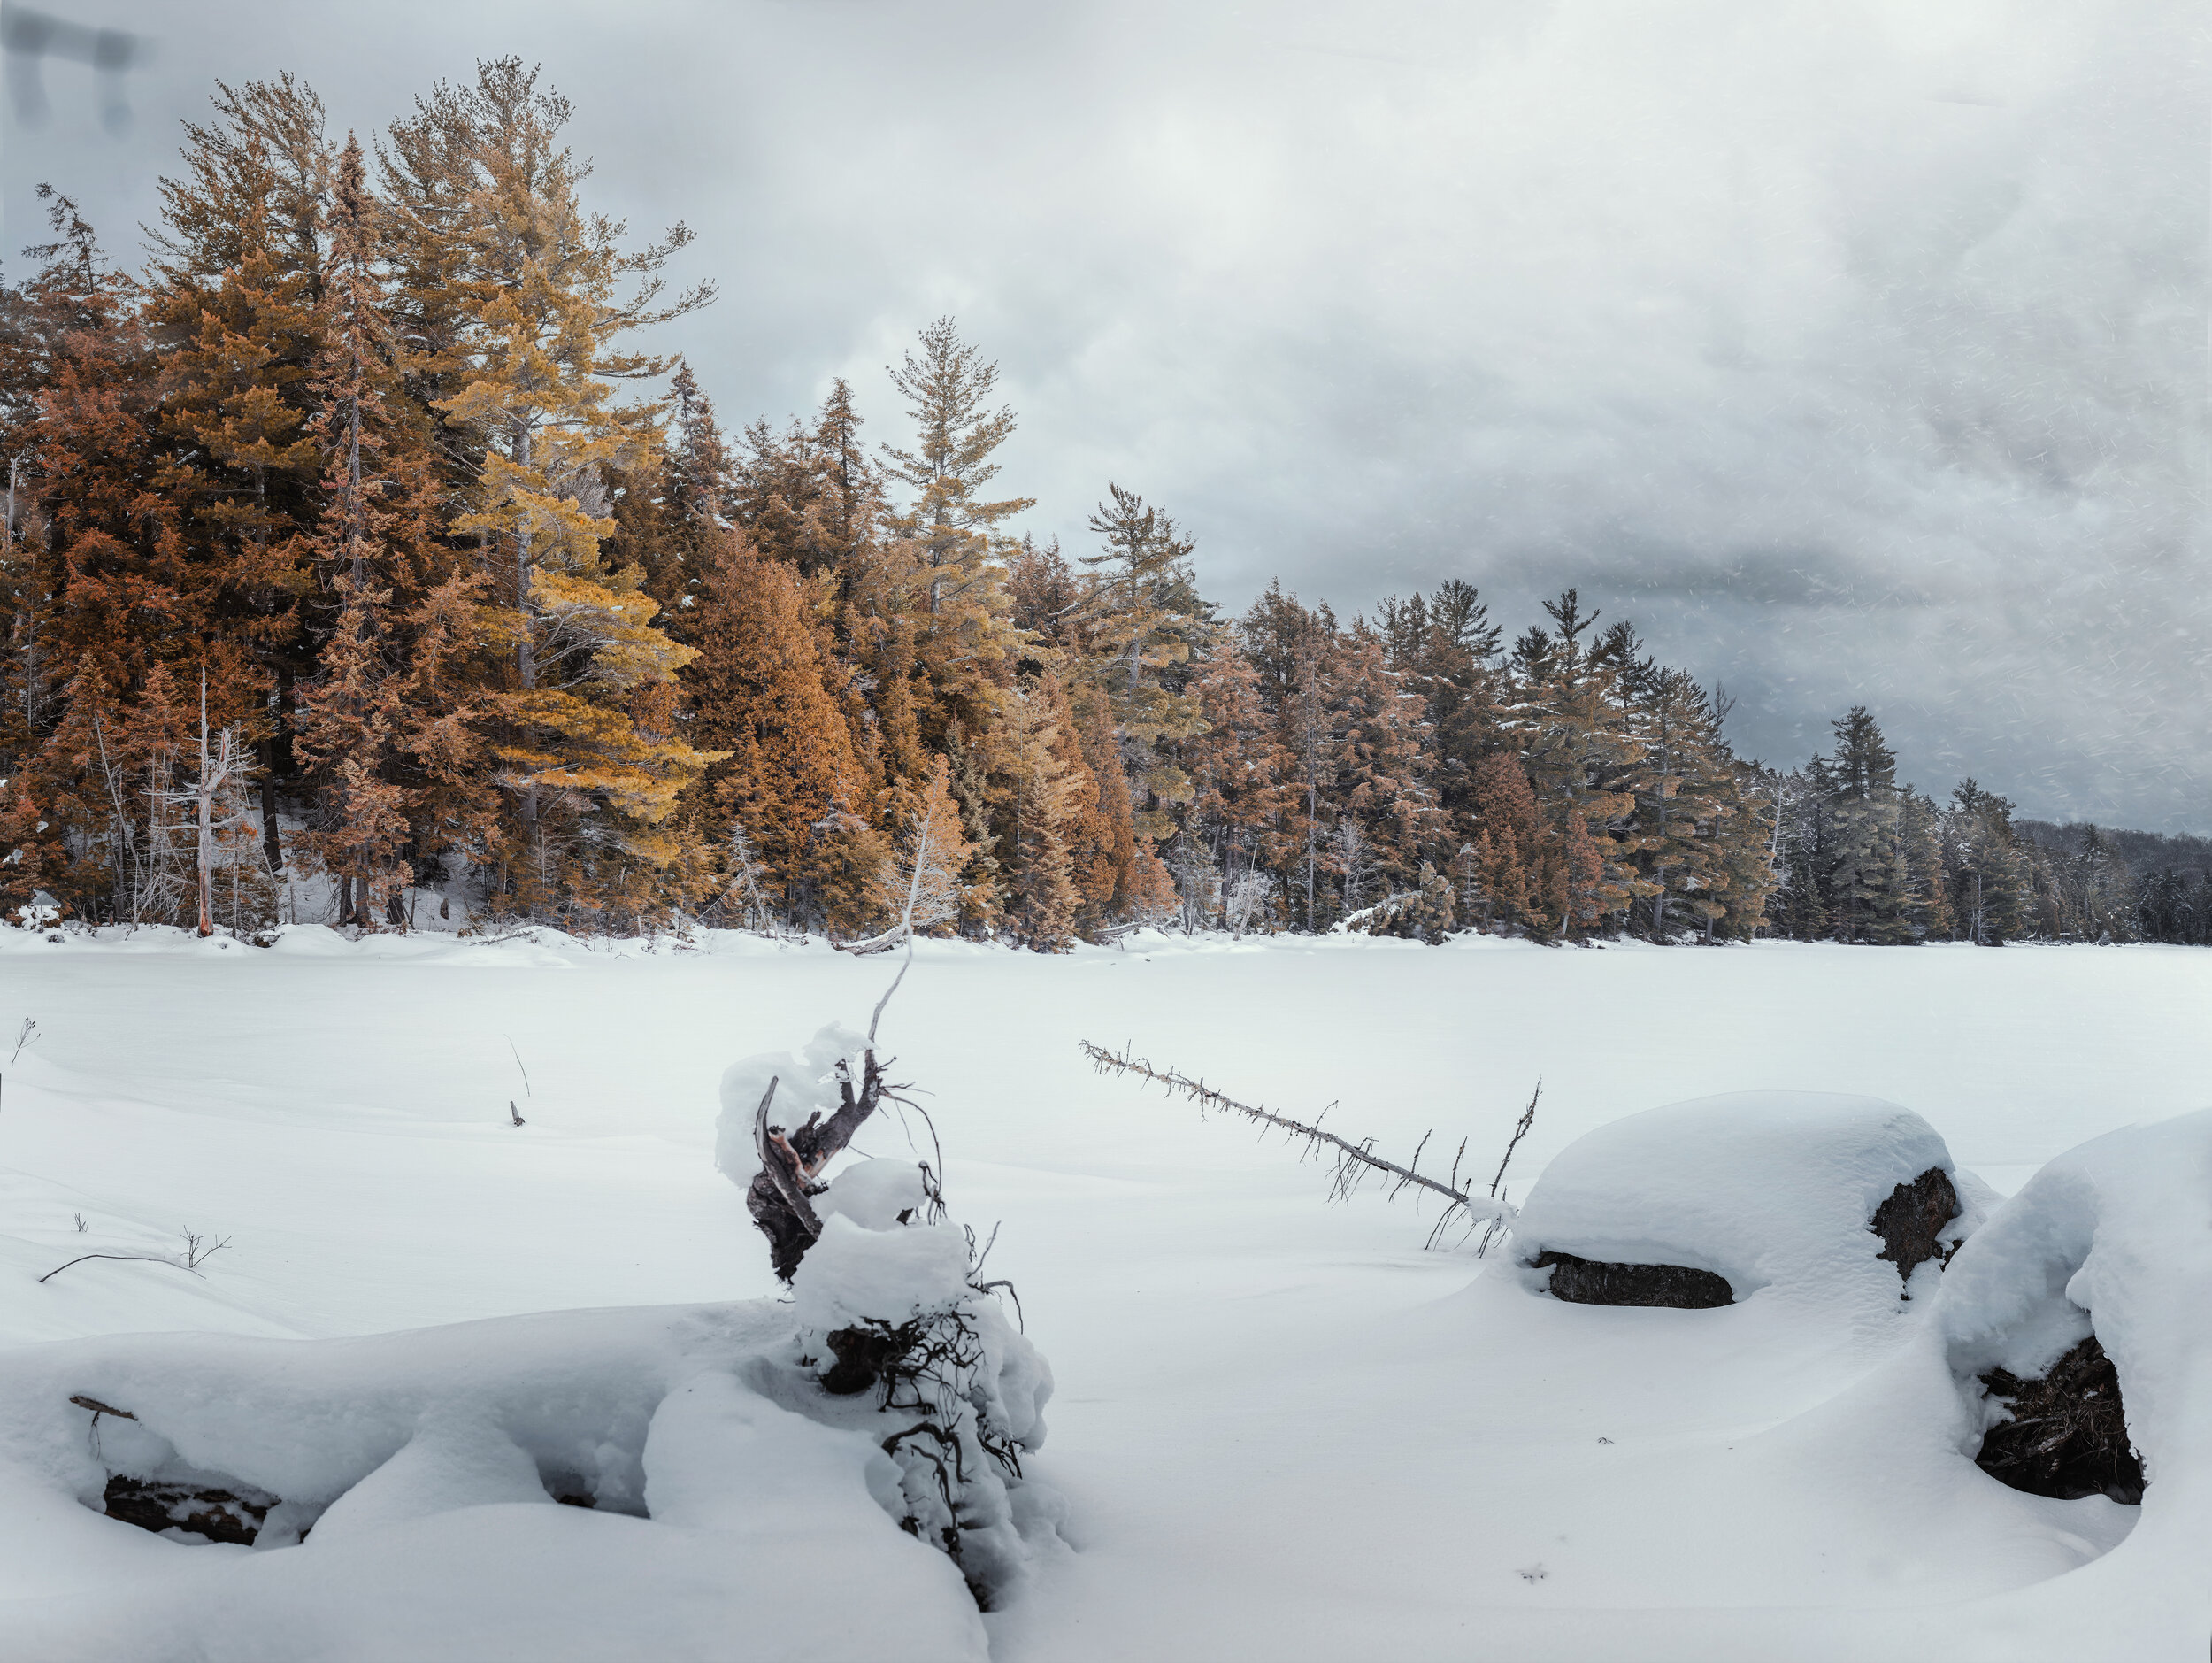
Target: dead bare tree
[[1353, 1163], [221, 776], [931, 874]]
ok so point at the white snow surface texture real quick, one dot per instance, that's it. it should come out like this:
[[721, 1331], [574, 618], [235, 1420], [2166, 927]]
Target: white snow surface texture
[[1282, 1429]]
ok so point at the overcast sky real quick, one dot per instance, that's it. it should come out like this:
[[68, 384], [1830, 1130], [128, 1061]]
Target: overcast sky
[[1856, 352]]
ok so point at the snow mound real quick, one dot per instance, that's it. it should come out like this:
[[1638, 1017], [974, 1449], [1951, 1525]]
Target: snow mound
[[891, 1274], [1772, 1190], [2115, 1236], [690, 1442], [894, 1294], [876, 1195]]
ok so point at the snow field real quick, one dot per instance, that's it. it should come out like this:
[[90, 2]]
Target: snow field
[[1280, 1427]]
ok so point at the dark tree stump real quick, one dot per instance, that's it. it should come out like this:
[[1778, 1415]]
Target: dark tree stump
[[780, 1197], [220, 1515], [789, 1236], [864, 1354], [1592, 1282], [1912, 1220], [2067, 1433]]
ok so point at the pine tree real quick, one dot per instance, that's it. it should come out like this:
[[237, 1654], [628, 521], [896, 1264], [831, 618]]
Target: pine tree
[[1049, 603], [1986, 877], [372, 543], [1686, 803], [1141, 624], [947, 570], [1564, 716], [1043, 795], [1380, 784], [1241, 771], [1508, 851], [1293, 652], [234, 310], [1920, 838], [922, 884], [1116, 882], [788, 775], [1442, 649], [1099, 850], [591, 759], [947, 388], [389, 735], [1865, 859]]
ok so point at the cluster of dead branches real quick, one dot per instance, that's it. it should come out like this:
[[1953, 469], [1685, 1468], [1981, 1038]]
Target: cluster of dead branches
[[1352, 1163]]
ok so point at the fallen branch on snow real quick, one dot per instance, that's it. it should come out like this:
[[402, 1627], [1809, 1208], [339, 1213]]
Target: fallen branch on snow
[[196, 1249], [1353, 1161]]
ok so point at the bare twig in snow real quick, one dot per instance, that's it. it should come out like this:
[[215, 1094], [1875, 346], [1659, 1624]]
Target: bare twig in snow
[[197, 1249], [526, 1092], [1520, 1131]]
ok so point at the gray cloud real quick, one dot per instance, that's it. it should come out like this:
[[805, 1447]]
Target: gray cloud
[[1858, 351]]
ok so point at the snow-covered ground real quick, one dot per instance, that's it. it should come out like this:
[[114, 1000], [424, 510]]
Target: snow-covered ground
[[1281, 1429]]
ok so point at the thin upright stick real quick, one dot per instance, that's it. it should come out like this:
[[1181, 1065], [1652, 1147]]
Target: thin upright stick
[[906, 923]]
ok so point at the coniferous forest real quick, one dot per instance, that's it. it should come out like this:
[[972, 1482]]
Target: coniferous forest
[[356, 539]]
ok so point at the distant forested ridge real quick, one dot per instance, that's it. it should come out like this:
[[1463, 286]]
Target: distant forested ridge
[[354, 548]]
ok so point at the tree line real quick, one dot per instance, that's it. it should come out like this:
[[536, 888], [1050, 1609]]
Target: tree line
[[354, 540]]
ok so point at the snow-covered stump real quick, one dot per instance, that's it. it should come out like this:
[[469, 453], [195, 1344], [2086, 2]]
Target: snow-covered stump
[[1702, 1203], [893, 1310], [2078, 1323], [904, 1338]]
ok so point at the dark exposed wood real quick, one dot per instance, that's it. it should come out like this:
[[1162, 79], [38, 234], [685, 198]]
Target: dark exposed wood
[[1912, 1221], [2067, 1432], [779, 1197], [863, 1354], [220, 1515], [1594, 1281]]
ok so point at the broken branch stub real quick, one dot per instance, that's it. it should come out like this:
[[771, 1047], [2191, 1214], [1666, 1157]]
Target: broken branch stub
[[779, 1197]]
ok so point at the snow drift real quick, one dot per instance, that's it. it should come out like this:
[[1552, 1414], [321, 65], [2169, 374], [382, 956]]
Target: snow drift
[[1771, 1191]]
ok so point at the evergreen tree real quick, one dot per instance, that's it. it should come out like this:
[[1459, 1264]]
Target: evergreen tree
[[1505, 864], [788, 774], [357, 724], [591, 759], [1044, 794], [950, 533], [1866, 871], [1241, 775], [1141, 624], [1986, 875]]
